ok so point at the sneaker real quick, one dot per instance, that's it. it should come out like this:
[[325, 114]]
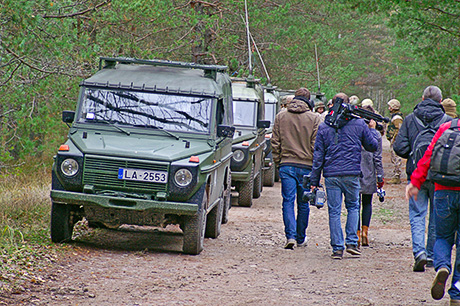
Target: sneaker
[[337, 254], [420, 263], [429, 263], [353, 250], [439, 283], [290, 244], [303, 244]]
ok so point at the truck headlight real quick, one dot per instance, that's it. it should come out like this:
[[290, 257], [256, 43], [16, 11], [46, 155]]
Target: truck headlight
[[238, 155], [183, 177], [69, 167]]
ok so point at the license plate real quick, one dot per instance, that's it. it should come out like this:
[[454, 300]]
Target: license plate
[[143, 175]]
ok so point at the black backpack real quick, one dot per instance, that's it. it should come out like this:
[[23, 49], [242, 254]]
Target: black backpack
[[445, 160], [423, 139]]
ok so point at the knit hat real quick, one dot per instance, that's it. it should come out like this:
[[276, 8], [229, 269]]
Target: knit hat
[[354, 100], [450, 107], [394, 104], [367, 102]]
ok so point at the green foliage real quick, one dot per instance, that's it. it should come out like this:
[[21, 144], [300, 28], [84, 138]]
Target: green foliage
[[379, 49]]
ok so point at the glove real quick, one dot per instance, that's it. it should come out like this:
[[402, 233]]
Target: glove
[[380, 183]]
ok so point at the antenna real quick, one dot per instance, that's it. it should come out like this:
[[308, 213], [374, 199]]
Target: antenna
[[317, 69], [260, 55], [248, 34]]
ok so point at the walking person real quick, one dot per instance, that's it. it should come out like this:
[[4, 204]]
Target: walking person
[[393, 127], [337, 155], [440, 164], [293, 140], [427, 116], [372, 178]]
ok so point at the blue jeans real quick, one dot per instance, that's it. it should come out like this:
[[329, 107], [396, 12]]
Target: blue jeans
[[291, 187], [447, 215], [417, 214], [349, 187]]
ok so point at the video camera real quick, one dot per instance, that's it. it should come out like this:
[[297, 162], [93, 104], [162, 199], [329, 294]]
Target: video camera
[[317, 197], [341, 109], [381, 194]]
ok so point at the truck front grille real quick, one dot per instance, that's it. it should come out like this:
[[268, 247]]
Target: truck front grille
[[102, 173]]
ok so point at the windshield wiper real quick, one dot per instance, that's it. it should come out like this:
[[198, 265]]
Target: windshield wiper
[[114, 125], [165, 131]]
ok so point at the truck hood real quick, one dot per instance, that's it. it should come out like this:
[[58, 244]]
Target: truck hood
[[138, 146]]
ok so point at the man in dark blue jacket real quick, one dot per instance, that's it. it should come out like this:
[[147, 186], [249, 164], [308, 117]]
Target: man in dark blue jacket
[[338, 155], [428, 113]]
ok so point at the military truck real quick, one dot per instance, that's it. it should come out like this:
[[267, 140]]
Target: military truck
[[249, 139], [150, 144], [272, 107]]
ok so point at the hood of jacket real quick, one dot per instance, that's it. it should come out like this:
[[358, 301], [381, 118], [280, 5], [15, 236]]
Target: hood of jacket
[[297, 106], [429, 111]]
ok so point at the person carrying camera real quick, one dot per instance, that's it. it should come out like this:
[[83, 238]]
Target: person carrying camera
[[416, 132], [293, 140], [337, 155]]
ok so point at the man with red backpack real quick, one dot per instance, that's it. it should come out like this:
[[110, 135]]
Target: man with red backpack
[[414, 136], [441, 164]]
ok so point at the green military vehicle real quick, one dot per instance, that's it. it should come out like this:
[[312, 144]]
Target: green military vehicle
[[150, 144], [249, 139], [272, 107]]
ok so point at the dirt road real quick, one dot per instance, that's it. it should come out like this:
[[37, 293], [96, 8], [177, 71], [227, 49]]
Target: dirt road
[[246, 265]]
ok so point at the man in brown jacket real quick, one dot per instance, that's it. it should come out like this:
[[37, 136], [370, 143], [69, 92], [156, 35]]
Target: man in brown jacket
[[293, 140]]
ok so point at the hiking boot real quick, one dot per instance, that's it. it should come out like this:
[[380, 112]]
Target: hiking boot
[[290, 244], [353, 250], [337, 254], [394, 180], [429, 263], [439, 283], [420, 263]]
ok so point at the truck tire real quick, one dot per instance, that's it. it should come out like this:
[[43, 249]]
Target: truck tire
[[194, 228], [227, 201], [61, 223], [269, 176], [245, 191], [214, 219], [257, 186]]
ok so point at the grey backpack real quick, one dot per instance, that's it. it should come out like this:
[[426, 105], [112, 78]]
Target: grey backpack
[[445, 160]]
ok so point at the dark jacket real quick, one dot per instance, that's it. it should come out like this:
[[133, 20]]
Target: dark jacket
[[338, 151], [294, 134], [429, 112], [371, 167]]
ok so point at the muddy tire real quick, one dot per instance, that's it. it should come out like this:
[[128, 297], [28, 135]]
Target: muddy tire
[[269, 176], [61, 223], [227, 201], [257, 191], [245, 191], [194, 229], [214, 220]]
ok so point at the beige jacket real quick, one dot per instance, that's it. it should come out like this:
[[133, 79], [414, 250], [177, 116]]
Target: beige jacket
[[294, 134]]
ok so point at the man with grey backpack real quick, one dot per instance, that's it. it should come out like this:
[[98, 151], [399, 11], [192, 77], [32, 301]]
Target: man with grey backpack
[[441, 165], [412, 141]]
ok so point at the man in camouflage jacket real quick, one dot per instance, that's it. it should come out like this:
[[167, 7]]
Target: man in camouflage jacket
[[396, 121]]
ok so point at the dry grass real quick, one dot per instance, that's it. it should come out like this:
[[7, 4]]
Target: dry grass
[[25, 247]]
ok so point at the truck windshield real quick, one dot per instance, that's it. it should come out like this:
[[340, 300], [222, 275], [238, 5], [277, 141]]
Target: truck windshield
[[244, 113], [149, 110], [270, 112]]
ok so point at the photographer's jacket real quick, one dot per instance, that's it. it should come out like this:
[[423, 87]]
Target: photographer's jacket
[[338, 151], [429, 112], [294, 134]]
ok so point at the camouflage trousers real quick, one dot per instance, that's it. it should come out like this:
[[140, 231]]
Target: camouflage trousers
[[396, 161]]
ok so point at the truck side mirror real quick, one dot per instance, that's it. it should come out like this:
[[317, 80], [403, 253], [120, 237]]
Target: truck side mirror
[[68, 116], [263, 124], [225, 131]]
